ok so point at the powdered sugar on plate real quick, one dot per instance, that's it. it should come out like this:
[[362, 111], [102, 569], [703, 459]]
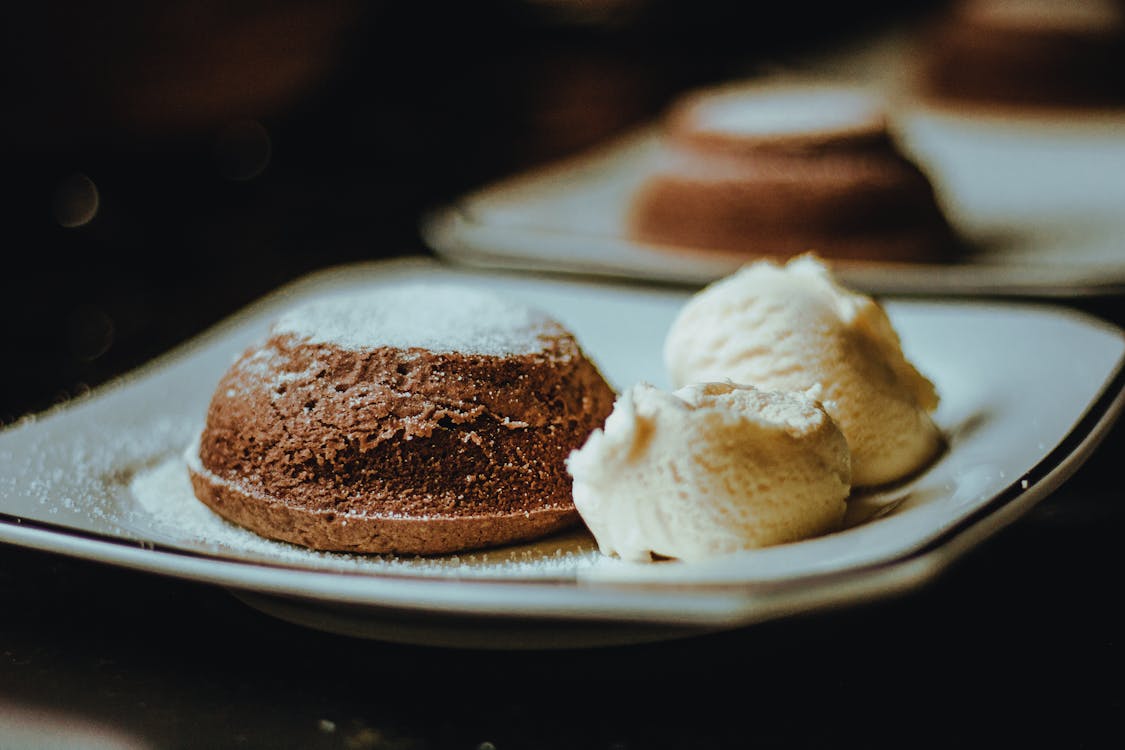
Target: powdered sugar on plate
[[163, 502]]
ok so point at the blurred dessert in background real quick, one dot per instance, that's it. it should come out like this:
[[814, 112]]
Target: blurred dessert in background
[[158, 72], [1045, 53], [778, 169]]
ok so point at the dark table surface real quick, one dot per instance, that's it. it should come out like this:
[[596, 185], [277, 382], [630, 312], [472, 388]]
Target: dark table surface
[[254, 172]]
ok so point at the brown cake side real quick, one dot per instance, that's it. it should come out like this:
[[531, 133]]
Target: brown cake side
[[817, 170], [1027, 54], [399, 449]]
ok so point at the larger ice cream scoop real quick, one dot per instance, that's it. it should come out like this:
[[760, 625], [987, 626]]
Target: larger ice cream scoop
[[710, 469], [792, 327]]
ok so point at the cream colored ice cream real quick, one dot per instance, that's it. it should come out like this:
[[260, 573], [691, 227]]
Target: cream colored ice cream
[[710, 469], [792, 327]]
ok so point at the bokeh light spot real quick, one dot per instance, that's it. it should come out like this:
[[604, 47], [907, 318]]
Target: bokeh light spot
[[90, 332], [75, 201], [243, 150]]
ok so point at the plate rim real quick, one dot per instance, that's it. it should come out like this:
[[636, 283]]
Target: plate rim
[[738, 603], [730, 603], [444, 229]]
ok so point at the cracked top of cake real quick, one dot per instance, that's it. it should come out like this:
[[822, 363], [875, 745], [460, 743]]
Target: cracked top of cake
[[359, 417], [455, 318]]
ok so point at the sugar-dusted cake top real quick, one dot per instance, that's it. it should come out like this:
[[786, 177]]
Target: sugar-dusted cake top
[[779, 112], [439, 317]]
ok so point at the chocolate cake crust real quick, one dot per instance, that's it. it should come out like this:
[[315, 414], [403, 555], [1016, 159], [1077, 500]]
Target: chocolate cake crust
[[864, 201], [825, 176], [398, 450]]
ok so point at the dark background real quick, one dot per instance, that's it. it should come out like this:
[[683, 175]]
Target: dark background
[[235, 147]]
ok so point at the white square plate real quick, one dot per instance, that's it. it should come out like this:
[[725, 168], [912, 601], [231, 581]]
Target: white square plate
[[1027, 392], [1038, 199]]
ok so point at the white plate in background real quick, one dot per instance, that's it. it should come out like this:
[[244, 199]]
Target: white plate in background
[[1041, 201], [1038, 193], [1027, 391]]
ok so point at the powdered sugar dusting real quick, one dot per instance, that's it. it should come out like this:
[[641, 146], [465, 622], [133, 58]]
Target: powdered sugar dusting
[[437, 317], [165, 504], [74, 481], [790, 111], [265, 366]]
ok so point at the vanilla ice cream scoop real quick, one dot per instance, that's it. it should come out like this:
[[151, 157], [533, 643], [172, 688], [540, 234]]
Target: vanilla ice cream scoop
[[793, 328], [710, 469]]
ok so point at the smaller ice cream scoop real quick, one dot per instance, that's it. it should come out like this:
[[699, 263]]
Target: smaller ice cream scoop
[[710, 469], [792, 327]]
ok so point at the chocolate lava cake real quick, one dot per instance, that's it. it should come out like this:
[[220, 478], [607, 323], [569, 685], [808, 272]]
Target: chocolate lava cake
[[780, 169], [420, 419], [1060, 56]]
